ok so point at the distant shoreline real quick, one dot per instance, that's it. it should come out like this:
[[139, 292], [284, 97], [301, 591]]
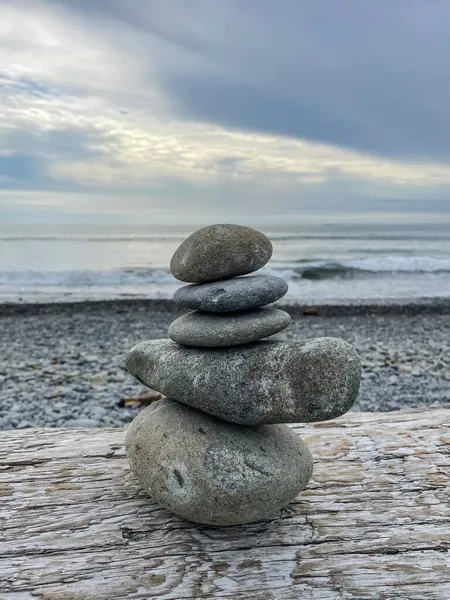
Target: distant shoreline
[[409, 307]]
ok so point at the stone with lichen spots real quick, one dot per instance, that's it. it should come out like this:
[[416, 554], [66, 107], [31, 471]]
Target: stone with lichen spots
[[209, 471], [264, 382]]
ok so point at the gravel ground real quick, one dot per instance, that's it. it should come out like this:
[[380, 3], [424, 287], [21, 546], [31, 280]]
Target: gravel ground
[[60, 365]]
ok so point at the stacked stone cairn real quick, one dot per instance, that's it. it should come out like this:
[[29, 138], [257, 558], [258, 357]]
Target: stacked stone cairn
[[217, 449]]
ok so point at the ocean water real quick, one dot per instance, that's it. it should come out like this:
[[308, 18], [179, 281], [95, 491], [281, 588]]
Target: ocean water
[[326, 264]]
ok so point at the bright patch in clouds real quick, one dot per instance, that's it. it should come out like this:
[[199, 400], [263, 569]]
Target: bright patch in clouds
[[87, 127]]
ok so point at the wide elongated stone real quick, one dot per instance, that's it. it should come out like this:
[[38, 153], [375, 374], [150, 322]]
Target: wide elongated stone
[[220, 252], [210, 471], [209, 330], [264, 382], [230, 295]]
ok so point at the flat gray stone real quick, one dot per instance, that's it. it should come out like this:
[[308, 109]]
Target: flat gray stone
[[230, 295], [220, 252], [209, 471], [264, 382], [209, 330]]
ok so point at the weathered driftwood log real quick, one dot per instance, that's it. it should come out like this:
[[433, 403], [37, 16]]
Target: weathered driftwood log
[[374, 522]]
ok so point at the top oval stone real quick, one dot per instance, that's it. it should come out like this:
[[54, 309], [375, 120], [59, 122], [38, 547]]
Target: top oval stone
[[220, 252]]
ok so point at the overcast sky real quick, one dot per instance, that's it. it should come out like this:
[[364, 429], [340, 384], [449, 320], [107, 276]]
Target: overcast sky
[[169, 110]]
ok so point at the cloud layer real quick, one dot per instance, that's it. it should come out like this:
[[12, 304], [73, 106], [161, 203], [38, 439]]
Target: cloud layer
[[175, 110]]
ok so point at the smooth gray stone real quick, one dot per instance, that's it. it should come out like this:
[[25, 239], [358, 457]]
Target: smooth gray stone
[[264, 382], [230, 295], [220, 252], [209, 330], [209, 471]]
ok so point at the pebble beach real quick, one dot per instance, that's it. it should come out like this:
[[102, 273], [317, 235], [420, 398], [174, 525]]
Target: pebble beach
[[62, 365]]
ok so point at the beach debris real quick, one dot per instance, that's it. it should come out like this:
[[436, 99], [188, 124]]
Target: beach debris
[[311, 311], [141, 400], [217, 449]]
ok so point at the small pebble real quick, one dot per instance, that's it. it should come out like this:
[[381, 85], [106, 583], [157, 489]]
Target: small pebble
[[82, 423]]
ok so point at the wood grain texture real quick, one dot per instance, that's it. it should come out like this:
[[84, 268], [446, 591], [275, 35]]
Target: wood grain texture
[[373, 523]]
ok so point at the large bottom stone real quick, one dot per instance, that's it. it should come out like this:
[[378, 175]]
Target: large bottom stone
[[209, 471], [231, 329], [260, 383]]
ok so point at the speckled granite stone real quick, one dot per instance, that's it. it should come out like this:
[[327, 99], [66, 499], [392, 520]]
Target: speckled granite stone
[[210, 471], [264, 382]]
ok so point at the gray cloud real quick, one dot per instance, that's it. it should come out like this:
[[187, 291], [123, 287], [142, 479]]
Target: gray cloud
[[370, 76], [26, 156], [104, 105]]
